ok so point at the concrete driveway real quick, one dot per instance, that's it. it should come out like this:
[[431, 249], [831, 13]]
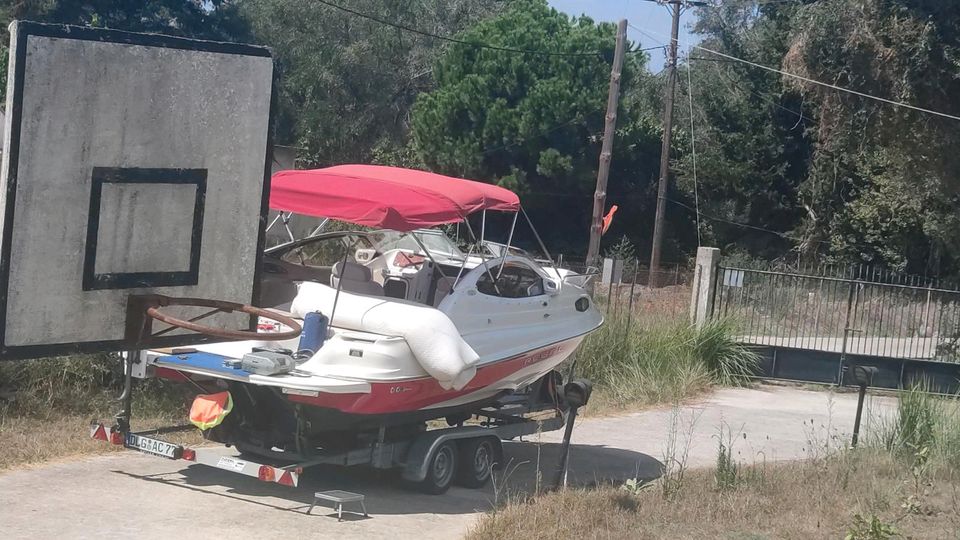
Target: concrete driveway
[[130, 495]]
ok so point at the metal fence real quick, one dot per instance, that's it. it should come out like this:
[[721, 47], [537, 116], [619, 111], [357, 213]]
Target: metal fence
[[629, 294], [635, 272], [860, 311]]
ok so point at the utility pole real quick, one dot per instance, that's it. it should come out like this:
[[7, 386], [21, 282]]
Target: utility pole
[[606, 152], [658, 223]]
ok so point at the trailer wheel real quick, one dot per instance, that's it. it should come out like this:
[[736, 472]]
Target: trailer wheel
[[440, 469], [477, 458]]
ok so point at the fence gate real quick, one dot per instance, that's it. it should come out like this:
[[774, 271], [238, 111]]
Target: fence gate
[[810, 325]]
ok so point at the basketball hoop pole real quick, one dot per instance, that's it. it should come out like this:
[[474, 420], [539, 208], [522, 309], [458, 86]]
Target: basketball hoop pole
[[137, 331], [126, 398]]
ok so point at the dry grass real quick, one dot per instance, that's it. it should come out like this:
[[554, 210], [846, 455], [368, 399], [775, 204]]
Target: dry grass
[[30, 440], [46, 406], [649, 305], [811, 499]]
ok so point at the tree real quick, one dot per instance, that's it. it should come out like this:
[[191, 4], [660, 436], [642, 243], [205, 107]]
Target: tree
[[347, 83], [751, 132], [896, 169], [833, 175], [203, 19], [533, 122]]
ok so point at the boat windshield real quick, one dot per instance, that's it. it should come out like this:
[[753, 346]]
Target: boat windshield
[[435, 241]]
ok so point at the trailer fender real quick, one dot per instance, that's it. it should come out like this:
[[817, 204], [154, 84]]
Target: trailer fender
[[420, 451]]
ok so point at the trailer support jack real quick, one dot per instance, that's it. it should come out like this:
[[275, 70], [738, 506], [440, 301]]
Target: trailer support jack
[[126, 398], [561, 480], [577, 394]]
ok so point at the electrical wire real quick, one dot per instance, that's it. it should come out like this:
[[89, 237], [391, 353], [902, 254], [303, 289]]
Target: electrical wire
[[727, 221], [645, 49], [809, 80], [767, 98], [450, 39]]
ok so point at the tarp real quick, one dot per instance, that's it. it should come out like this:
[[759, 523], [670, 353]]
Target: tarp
[[385, 197]]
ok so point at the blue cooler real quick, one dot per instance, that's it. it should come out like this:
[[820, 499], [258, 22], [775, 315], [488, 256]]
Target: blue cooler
[[314, 332]]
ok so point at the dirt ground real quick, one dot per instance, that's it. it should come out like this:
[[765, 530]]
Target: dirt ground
[[132, 495]]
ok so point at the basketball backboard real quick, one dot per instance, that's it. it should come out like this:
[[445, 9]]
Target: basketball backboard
[[133, 164]]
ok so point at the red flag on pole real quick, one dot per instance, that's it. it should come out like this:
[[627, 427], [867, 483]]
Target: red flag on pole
[[607, 219]]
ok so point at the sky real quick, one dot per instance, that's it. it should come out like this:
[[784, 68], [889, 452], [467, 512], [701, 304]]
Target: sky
[[652, 17]]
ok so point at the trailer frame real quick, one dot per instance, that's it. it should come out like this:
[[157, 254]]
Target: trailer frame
[[413, 455]]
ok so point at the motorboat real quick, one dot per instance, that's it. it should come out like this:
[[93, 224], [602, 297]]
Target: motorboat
[[400, 325]]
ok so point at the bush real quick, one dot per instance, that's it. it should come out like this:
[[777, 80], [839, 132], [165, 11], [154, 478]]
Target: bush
[[655, 362]]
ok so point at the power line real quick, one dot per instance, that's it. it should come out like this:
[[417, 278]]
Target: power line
[[835, 87], [450, 39], [722, 220], [702, 59], [767, 2], [813, 81], [767, 98], [646, 49]]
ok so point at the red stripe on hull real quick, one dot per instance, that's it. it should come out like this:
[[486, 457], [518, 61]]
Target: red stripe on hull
[[412, 395]]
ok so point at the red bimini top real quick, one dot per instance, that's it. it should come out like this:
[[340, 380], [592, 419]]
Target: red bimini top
[[385, 197]]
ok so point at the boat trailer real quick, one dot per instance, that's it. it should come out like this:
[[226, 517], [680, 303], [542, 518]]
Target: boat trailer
[[430, 460]]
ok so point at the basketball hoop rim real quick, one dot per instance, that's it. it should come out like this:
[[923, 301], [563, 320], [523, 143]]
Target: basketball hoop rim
[[154, 312]]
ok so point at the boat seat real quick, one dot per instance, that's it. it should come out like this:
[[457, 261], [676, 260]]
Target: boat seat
[[443, 289], [356, 278]]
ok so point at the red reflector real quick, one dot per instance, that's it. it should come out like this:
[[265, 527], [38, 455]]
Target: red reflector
[[189, 454], [116, 438], [100, 433], [286, 479], [266, 473]]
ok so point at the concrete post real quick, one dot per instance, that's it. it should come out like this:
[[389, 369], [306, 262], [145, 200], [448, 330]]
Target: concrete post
[[704, 284], [612, 271]]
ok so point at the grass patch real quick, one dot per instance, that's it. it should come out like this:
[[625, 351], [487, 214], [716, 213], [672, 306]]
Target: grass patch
[[904, 482], [650, 361], [850, 493], [46, 406], [30, 440], [925, 425]]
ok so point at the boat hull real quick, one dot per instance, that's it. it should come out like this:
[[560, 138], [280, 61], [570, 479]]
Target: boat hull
[[426, 397]]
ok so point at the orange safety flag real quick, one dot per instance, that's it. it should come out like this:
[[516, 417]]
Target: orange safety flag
[[607, 219], [209, 410]]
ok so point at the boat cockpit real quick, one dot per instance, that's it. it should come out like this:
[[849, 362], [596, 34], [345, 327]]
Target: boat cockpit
[[421, 266]]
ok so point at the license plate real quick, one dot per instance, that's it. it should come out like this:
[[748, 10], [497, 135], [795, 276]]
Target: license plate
[[153, 446]]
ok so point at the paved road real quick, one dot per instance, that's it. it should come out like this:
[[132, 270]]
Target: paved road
[[129, 495]]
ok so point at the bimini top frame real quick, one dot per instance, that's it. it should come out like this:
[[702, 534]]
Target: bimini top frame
[[393, 198]]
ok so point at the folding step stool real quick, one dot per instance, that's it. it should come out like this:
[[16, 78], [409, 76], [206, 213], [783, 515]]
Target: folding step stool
[[339, 497]]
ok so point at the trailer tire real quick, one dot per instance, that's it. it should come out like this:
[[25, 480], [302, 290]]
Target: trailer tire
[[441, 469], [477, 459]]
